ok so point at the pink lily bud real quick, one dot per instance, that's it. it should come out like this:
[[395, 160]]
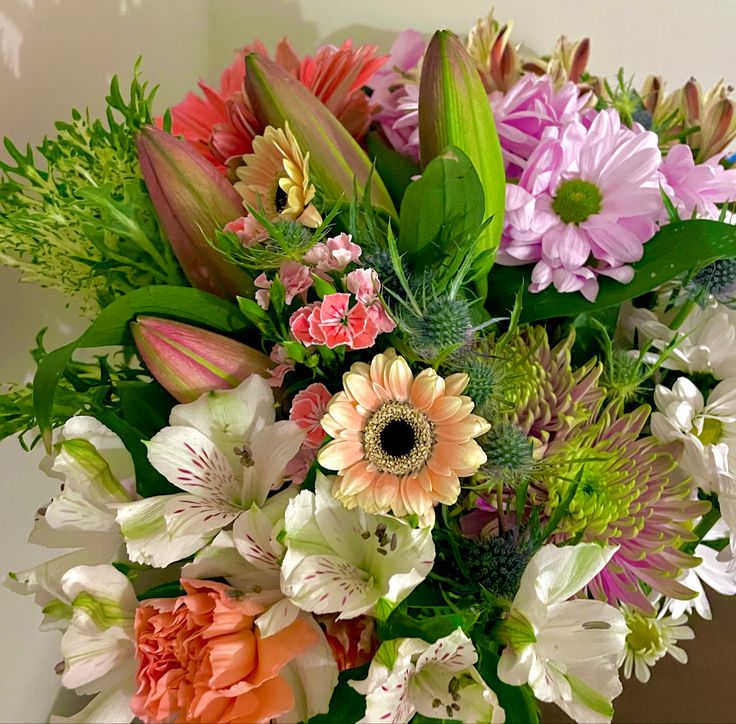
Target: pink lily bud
[[188, 361], [193, 201]]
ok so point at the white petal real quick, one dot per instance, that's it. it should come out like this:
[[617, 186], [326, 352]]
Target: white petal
[[192, 462], [254, 538], [71, 511], [277, 617], [109, 707], [391, 702], [272, 448], [312, 677], [229, 417]]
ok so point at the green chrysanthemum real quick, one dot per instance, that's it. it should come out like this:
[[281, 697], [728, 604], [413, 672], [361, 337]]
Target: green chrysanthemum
[[546, 397], [625, 493]]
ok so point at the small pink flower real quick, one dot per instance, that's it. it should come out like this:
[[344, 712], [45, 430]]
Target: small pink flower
[[307, 409], [698, 187], [365, 285], [328, 323], [263, 295], [248, 229], [362, 327], [297, 468], [296, 278], [284, 365], [299, 324], [334, 254]]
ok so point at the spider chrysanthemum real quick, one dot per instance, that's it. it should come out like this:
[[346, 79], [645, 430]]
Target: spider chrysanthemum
[[401, 443]]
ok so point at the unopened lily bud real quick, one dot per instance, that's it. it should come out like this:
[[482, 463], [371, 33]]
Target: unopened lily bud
[[193, 201], [188, 361]]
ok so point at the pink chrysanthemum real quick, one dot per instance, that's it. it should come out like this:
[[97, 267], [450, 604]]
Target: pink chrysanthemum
[[222, 124], [628, 493], [585, 205], [396, 93], [696, 187], [401, 442], [530, 106]]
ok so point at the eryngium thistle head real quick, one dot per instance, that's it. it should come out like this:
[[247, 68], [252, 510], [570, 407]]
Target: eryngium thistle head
[[484, 378], [445, 323], [497, 563], [717, 280], [546, 397], [380, 261], [509, 452], [627, 493]]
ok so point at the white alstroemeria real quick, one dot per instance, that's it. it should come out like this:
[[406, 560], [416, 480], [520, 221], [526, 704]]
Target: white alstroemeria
[[348, 561], [99, 644], [45, 582], [717, 571], [436, 680], [566, 650], [98, 475], [650, 638], [108, 707], [684, 415], [227, 453], [707, 337], [249, 559]]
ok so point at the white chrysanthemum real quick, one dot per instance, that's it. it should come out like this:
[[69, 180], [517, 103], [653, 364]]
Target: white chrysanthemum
[[684, 415], [650, 639], [707, 337], [566, 650]]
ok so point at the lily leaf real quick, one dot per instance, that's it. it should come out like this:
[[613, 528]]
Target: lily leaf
[[675, 249], [396, 170]]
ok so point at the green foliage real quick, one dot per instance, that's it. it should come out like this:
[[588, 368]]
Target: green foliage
[[674, 250], [346, 704], [517, 701], [442, 215], [396, 170], [112, 328], [75, 215]]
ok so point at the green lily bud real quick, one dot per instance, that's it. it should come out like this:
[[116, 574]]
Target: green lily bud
[[193, 201], [336, 160], [454, 111], [188, 361]]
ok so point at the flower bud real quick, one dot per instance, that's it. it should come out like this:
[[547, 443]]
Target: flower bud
[[193, 201], [188, 361], [336, 160], [454, 111]]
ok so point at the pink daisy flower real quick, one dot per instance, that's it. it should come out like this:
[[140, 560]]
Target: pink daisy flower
[[396, 93], [530, 106], [585, 204], [696, 187]]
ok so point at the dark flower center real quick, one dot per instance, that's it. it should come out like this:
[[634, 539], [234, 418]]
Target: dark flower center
[[398, 439], [576, 200], [281, 199]]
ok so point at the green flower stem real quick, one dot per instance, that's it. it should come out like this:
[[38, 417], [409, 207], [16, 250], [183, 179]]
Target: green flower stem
[[682, 313]]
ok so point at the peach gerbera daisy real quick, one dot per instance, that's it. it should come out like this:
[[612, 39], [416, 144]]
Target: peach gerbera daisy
[[400, 443], [275, 178]]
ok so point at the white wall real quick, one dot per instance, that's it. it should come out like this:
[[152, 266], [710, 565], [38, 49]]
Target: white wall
[[72, 47]]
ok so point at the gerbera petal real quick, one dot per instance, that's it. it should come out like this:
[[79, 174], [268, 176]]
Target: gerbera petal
[[359, 389], [427, 387], [339, 454], [399, 379]]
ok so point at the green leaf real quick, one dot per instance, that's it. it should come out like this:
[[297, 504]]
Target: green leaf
[[441, 208], [148, 481], [517, 701], [172, 589], [145, 405], [111, 328], [322, 286], [401, 625], [675, 249], [396, 170], [346, 704]]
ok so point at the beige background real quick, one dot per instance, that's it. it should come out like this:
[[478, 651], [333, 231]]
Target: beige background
[[69, 51]]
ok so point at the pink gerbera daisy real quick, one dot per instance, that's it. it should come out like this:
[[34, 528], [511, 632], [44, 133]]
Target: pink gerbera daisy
[[400, 443], [585, 204]]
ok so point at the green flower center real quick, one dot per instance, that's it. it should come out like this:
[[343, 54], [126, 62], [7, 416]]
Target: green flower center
[[576, 200], [605, 493], [712, 431], [643, 635]]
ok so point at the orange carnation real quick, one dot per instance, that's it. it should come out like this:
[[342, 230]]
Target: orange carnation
[[202, 660]]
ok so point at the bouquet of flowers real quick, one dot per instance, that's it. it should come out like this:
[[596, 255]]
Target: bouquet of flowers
[[418, 399]]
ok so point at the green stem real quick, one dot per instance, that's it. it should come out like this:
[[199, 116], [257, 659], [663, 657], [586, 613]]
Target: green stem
[[682, 313]]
